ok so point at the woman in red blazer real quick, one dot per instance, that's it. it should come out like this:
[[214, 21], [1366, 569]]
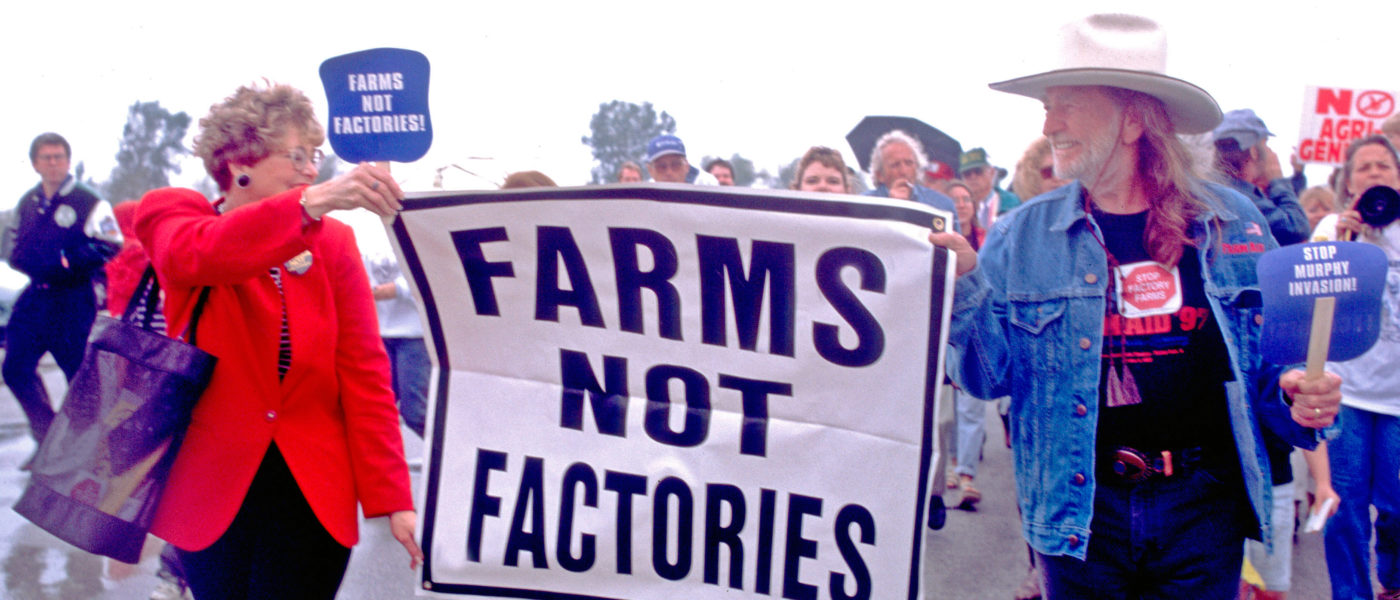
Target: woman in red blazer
[[298, 424]]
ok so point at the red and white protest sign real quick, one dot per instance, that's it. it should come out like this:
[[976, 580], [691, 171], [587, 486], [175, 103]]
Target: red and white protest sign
[[1147, 288], [1333, 117]]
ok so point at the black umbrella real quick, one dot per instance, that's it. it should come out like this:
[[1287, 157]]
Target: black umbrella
[[938, 146]]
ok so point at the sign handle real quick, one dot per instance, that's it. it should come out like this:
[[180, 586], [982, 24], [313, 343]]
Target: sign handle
[[1320, 338], [388, 168]]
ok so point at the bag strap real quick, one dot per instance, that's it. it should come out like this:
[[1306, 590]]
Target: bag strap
[[150, 286], [149, 289], [193, 325]]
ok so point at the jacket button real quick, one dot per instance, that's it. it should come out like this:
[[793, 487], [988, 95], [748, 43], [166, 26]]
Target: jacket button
[[1073, 541], [1091, 278], [1084, 343], [1081, 410], [1078, 479], [271, 416], [1259, 319]]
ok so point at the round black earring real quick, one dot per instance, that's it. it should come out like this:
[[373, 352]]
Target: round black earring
[[243, 180]]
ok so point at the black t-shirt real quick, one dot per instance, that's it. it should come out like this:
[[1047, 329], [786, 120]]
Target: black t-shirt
[[1163, 331]]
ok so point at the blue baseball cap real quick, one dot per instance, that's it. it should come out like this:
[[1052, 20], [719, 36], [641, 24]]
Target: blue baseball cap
[[662, 145], [1243, 126]]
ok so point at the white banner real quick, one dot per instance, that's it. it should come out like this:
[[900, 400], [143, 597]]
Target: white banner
[[660, 391], [1333, 117]]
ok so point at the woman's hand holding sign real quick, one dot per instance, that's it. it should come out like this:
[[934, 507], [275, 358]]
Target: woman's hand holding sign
[[366, 186], [1315, 402]]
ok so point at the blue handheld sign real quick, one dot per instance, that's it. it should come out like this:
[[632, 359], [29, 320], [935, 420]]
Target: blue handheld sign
[[1291, 278], [378, 105]]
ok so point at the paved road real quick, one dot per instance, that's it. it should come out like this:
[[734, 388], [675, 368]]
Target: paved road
[[35, 565], [978, 555], [982, 556]]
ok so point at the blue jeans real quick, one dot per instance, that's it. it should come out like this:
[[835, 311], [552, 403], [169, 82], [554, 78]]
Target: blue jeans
[[972, 432], [1181, 537], [55, 320], [408, 357], [1365, 461]]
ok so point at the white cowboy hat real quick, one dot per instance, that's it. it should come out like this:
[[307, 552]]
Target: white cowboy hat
[[1124, 51]]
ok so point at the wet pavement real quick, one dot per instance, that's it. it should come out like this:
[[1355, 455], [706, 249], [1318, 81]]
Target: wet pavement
[[35, 565], [978, 555]]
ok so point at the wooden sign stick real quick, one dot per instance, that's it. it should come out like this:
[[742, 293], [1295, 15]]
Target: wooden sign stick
[[388, 168], [1320, 338]]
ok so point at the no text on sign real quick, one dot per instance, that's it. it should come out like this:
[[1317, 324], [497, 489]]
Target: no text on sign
[[1291, 278], [378, 105]]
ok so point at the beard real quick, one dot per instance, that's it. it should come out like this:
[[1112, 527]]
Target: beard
[[1094, 154]]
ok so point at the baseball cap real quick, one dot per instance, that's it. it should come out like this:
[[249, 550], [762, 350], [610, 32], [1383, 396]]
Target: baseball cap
[[972, 159], [1243, 126], [938, 171], [662, 145]]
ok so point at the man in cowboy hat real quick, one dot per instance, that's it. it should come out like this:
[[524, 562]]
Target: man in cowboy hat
[[1121, 314]]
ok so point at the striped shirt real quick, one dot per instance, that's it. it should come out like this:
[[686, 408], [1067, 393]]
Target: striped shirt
[[284, 344]]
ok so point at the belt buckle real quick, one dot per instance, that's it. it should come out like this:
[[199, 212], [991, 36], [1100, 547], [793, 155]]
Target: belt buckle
[[1130, 464]]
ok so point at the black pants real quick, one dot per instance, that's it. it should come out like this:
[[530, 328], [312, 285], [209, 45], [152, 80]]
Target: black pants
[[275, 548], [53, 319]]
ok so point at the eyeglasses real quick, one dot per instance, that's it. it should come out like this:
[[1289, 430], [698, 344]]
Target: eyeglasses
[[299, 158], [51, 157]]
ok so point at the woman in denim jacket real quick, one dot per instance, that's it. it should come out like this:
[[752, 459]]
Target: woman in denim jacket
[[1121, 313]]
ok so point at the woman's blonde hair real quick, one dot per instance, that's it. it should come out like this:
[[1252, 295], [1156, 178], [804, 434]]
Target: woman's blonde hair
[[1027, 182], [249, 125], [1318, 194]]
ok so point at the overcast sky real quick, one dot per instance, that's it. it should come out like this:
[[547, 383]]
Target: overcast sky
[[517, 82]]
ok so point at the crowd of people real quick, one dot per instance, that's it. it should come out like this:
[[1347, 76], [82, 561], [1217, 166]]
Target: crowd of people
[[1149, 462], [1182, 441]]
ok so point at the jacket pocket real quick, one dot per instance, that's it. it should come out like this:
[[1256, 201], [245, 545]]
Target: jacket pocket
[[1035, 316], [1244, 309]]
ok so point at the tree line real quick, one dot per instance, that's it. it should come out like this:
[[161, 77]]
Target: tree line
[[152, 144], [620, 132]]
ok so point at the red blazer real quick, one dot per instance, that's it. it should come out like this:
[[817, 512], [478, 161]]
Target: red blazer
[[333, 416]]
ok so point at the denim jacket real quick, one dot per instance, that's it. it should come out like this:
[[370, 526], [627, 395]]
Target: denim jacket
[[1028, 322]]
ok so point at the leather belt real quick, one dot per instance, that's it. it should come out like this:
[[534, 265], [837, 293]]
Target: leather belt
[[1133, 465]]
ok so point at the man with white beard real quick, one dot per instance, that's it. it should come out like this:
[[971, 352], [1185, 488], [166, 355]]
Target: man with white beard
[[1121, 314]]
